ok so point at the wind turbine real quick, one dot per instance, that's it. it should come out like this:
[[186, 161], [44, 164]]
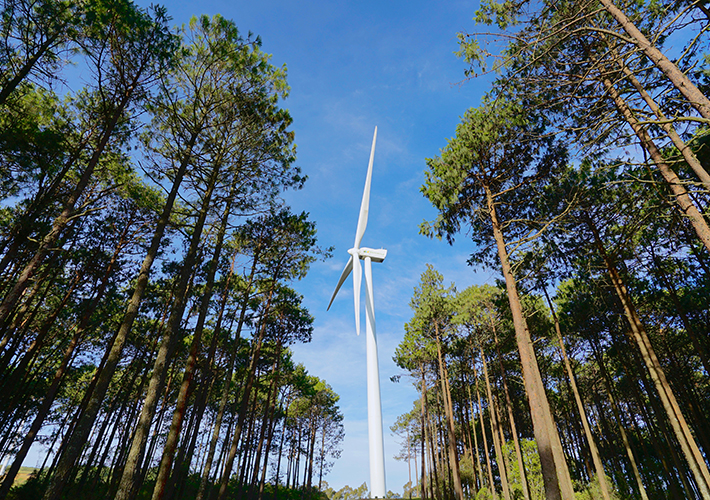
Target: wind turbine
[[374, 409]]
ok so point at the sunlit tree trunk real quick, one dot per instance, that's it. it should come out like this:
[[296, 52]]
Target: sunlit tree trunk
[[558, 483], [679, 79], [486, 450], [446, 395], [681, 195]]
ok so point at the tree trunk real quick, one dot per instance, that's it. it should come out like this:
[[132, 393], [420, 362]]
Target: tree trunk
[[171, 442], [446, 395], [424, 492], [558, 483], [245, 400], [225, 391], [695, 97], [127, 486], [511, 417], [495, 429], [486, 452], [477, 462], [596, 458], [674, 183]]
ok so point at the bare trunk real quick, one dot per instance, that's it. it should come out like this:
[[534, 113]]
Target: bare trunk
[[127, 487], [83, 427], [245, 401], [477, 461], [446, 394], [558, 483], [424, 434], [495, 429], [674, 183], [620, 423], [511, 418], [596, 458], [486, 453], [166, 461]]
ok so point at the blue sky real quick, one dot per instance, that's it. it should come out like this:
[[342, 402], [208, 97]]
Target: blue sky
[[353, 66]]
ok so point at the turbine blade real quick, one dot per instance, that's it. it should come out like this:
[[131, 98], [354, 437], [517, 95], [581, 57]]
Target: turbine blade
[[365, 205], [343, 277], [357, 276]]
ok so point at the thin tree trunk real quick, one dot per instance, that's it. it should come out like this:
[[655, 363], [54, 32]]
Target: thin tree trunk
[[489, 467], [424, 432], [225, 391], [477, 463], [446, 395], [596, 458], [245, 400], [495, 429]]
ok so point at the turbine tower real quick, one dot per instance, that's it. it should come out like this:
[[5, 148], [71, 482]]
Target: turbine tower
[[374, 409]]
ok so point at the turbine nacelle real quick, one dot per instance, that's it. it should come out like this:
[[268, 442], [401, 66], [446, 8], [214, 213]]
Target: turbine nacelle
[[376, 254]]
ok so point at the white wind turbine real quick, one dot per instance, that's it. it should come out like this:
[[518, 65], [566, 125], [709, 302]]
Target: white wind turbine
[[374, 410]]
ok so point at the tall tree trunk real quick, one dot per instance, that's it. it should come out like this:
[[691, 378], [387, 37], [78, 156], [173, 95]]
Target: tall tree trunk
[[511, 417], [228, 378], [49, 397], [423, 392], [245, 400], [171, 442], [668, 127], [674, 183], [681, 82], [486, 450], [127, 488], [446, 395], [477, 463], [558, 483]]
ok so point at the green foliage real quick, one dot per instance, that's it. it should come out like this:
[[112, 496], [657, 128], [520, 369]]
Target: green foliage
[[349, 493], [591, 491], [533, 470]]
